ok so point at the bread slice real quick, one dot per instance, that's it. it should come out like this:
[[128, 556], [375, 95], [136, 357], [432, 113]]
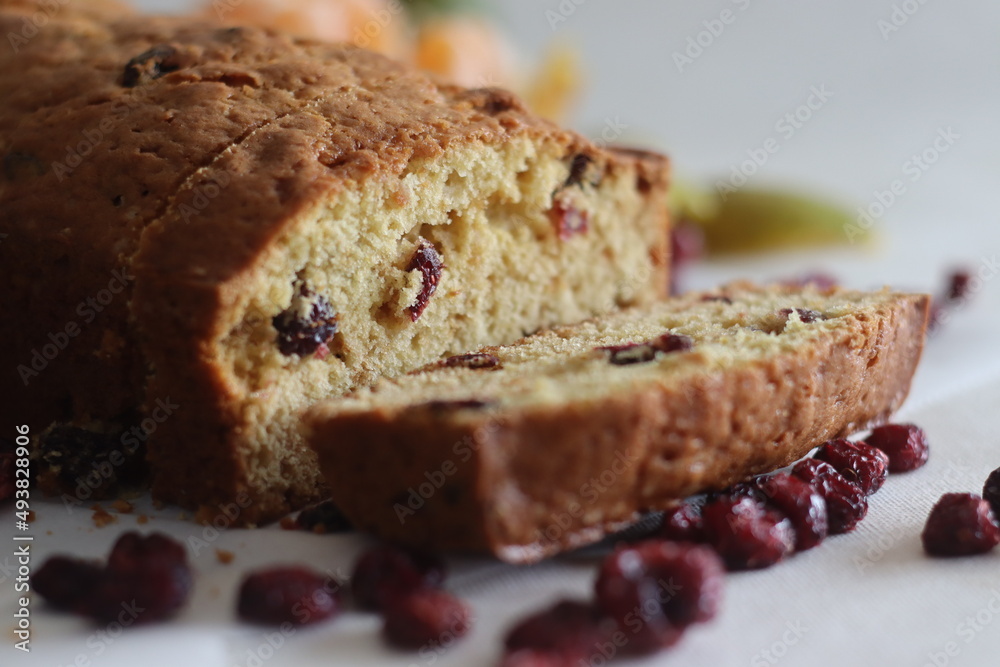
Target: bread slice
[[238, 223], [551, 442]]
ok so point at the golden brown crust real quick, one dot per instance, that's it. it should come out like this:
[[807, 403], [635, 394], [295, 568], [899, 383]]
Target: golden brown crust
[[524, 484]]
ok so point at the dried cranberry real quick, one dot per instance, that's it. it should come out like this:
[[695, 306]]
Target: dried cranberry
[[65, 582], [846, 504], [991, 491], [568, 219], [426, 617], [904, 444], [580, 167], [682, 523], [306, 326], [858, 462], [150, 572], [570, 630], [801, 503], [666, 586], [960, 524], [428, 262], [746, 534], [323, 517], [287, 595], [806, 316], [473, 361], [150, 65], [958, 285], [386, 572], [637, 353], [687, 243]]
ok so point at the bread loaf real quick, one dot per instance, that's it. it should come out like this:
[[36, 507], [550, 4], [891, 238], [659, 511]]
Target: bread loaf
[[550, 443], [234, 224]]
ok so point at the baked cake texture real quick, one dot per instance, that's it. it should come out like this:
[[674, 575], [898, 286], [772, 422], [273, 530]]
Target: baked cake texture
[[556, 440], [235, 223]]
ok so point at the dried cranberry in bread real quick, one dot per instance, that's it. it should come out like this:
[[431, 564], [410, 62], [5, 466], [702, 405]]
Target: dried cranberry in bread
[[557, 441], [235, 223]]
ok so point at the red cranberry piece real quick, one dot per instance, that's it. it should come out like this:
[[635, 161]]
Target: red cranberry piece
[[293, 595], [387, 572], [687, 243], [667, 585], [638, 353], [428, 617], [904, 444], [473, 361], [568, 219], [65, 582], [858, 462], [149, 571], [306, 326], [960, 524], [570, 630], [958, 285], [801, 503], [428, 262], [746, 534], [991, 491], [323, 518], [846, 504], [682, 523], [135, 553]]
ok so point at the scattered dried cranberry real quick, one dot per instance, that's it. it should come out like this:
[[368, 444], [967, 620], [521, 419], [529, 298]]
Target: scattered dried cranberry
[[682, 523], [665, 586], [904, 444], [806, 316], [287, 595], [958, 285], [991, 491], [860, 463], [323, 518], [846, 504], [960, 524], [746, 534], [569, 630], [67, 583], [387, 572], [801, 503], [473, 361], [150, 570], [428, 262], [150, 65], [427, 617], [306, 326], [568, 219], [146, 577]]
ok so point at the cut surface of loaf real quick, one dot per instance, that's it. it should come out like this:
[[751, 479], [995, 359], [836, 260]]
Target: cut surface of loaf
[[547, 444], [280, 221]]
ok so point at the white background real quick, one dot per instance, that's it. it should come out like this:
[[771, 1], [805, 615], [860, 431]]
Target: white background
[[868, 598]]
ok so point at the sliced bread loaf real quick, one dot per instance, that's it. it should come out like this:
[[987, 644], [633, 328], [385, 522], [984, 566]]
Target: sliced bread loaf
[[549, 443], [234, 223]]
